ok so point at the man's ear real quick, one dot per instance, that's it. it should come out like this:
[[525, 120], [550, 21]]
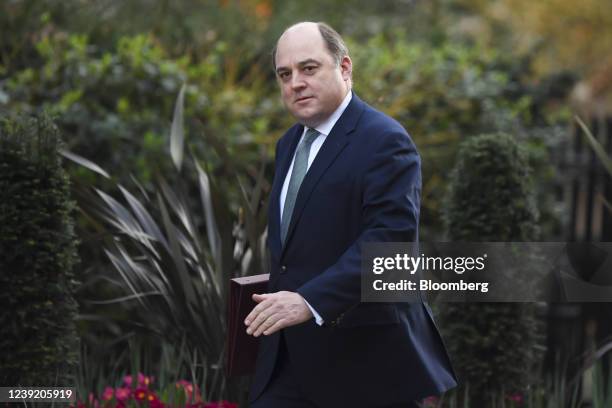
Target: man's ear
[[346, 67]]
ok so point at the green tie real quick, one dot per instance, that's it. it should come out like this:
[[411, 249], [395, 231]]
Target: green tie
[[300, 167]]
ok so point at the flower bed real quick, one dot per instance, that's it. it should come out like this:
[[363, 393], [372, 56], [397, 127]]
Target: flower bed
[[139, 393]]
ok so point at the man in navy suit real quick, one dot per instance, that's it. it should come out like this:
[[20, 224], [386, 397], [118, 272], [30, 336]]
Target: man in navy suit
[[346, 175]]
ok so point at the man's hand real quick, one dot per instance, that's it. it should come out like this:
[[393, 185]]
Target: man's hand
[[276, 311]]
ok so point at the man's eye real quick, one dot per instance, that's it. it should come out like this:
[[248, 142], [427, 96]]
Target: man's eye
[[283, 75], [309, 69]]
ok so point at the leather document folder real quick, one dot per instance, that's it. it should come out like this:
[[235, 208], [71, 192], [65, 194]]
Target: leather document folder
[[241, 347]]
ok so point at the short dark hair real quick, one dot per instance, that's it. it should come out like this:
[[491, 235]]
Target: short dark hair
[[333, 41]]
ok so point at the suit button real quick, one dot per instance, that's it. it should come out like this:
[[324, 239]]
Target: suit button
[[283, 269]]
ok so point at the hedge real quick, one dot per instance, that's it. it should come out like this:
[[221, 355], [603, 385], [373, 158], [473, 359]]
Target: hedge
[[494, 347], [38, 251]]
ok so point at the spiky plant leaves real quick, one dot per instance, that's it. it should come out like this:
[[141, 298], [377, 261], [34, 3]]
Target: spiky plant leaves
[[212, 231], [144, 217], [84, 162], [177, 134], [175, 262], [596, 146]]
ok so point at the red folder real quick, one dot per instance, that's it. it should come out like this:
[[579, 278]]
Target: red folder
[[241, 347]]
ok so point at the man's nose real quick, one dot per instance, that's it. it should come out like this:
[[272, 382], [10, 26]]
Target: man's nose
[[297, 81]]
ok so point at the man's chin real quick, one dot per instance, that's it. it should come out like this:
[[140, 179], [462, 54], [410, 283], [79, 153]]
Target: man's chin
[[308, 120]]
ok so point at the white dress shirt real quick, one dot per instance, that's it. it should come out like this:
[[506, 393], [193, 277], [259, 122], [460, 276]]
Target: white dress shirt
[[324, 129]]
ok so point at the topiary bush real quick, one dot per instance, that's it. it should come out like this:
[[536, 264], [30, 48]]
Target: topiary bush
[[37, 254], [494, 347]]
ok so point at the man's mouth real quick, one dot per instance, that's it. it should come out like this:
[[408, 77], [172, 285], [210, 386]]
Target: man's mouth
[[303, 98]]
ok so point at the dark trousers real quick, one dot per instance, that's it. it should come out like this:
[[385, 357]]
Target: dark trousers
[[283, 390]]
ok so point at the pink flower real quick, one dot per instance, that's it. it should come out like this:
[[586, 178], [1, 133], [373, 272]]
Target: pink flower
[[108, 394], [140, 394], [516, 397], [154, 401], [93, 402], [127, 380], [122, 394], [190, 390], [143, 380]]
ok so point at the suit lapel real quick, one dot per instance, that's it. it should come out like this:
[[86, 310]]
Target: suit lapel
[[335, 142]]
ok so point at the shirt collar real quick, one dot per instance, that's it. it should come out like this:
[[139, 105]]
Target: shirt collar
[[327, 125]]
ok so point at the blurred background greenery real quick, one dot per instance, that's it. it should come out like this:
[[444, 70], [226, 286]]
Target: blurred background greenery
[[109, 73]]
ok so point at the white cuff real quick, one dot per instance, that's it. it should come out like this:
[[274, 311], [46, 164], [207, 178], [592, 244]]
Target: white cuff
[[317, 316]]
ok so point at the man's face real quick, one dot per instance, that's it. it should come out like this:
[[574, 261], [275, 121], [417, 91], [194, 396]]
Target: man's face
[[312, 84]]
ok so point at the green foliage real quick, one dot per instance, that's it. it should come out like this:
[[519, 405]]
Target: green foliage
[[37, 247], [112, 103], [102, 100], [444, 93], [495, 347]]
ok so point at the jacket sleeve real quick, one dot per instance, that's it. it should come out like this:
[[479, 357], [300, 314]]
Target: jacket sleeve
[[391, 187]]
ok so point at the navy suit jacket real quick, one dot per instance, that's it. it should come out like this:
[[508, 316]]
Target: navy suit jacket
[[363, 186]]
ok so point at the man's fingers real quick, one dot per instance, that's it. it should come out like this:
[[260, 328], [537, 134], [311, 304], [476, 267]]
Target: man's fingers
[[256, 311], [267, 309], [266, 324], [259, 319], [278, 325], [258, 298]]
